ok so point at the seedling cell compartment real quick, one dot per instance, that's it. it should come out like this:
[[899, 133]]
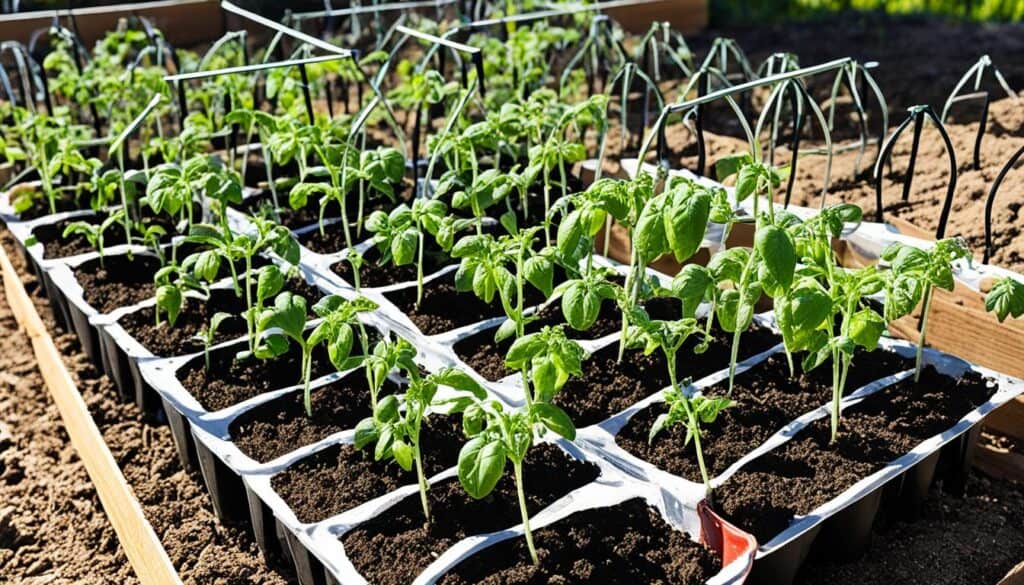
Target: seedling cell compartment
[[226, 470]]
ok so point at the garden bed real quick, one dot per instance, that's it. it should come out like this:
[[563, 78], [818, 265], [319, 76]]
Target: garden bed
[[474, 378]]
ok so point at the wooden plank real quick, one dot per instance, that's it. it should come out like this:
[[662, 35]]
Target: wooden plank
[[686, 16], [1008, 420], [183, 22], [1014, 577], [141, 544], [999, 463]]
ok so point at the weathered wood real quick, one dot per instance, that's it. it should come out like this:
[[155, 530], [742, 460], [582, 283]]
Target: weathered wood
[[183, 22], [686, 16], [1015, 576], [999, 463], [141, 544]]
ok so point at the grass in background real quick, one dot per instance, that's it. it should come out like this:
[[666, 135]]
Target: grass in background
[[726, 12]]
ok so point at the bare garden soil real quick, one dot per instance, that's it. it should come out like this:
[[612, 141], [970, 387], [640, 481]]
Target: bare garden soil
[[921, 60]]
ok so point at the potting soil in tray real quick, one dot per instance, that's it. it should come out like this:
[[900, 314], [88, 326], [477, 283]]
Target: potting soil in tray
[[118, 281], [41, 205], [397, 545], [488, 358], [443, 308], [767, 399], [807, 471], [342, 477], [373, 274], [263, 202], [55, 245], [609, 386], [281, 425], [170, 341], [230, 381], [625, 544]]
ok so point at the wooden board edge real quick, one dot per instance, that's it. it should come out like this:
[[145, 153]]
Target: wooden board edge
[[1014, 577], [999, 463], [143, 548]]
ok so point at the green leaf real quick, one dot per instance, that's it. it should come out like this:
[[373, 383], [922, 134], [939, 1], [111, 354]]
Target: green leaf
[[649, 237], [403, 453], [691, 286], [727, 166], [570, 231], [269, 283], [581, 306], [473, 419], [403, 247], [523, 350], [540, 272], [207, 265], [288, 315], [746, 181], [387, 409], [727, 265], [777, 252], [460, 380], [1006, 298], [555, 419], [366, 433], [545, 377], [686, 222], [340, 348], [169, 299], [866, 328], [707, 409], [481, 464]]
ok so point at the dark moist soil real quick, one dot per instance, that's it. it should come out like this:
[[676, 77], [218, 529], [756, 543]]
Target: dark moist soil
[[341, 477], [624, 544], [230, 381], [807, 471], [166, 341], [609, 386], [64, 202], [443, 308], [55, 245], [118, 281], [767, 399], [281, 426], [372, 274], [488, 358], [396, 546], [310, 214]]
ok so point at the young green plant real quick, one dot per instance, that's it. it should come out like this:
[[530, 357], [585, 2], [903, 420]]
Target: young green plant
[[499, 435], [286, 322]]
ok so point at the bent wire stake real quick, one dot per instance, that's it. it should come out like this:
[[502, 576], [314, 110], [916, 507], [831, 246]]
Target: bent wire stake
[[978, 71], [917, 116], [179, 79], [991, 201], [726, 93], [320, 44]]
